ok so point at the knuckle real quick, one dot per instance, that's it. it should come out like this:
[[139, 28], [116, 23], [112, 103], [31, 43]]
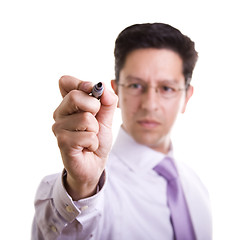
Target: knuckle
[[73, 95], [63, 78], [87, 117], [54, 129], [98, 106], [93, 141], [91, 122], [92, 136], [62, 141], [55, 115]]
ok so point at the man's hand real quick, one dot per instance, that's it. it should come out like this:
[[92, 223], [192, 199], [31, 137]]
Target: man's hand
[[83, 127]]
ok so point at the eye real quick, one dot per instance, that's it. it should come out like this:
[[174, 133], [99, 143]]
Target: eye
[[167, 89], [135, 86]]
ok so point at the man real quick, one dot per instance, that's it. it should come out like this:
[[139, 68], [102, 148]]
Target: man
[[125, 192]]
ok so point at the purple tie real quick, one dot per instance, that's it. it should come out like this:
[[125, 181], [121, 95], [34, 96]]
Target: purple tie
[[180, 217]]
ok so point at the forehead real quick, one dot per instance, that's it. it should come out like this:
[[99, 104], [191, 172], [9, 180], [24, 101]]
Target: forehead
[[152, 64]]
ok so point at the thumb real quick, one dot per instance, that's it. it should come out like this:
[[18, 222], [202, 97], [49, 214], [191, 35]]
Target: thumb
[[108, 105], [105, 118]]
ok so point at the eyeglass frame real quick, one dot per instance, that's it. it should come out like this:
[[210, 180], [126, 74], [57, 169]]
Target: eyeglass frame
[[157, 88]]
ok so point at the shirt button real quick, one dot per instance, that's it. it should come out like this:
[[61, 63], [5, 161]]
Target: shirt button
[[54, 229], [69, 209], [84, 208]]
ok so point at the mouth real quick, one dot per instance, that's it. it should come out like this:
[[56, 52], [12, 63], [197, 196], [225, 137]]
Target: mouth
[[148, 123]]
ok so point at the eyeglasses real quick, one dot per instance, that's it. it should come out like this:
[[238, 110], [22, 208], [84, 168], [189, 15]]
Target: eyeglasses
[[165, 91]]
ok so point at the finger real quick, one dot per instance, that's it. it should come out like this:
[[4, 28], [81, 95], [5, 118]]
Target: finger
[[85, 86], [72, 143], [68, 83], [77, 101], [83, 121]]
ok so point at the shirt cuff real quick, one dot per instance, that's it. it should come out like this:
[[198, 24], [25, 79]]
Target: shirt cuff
[[70, 209]]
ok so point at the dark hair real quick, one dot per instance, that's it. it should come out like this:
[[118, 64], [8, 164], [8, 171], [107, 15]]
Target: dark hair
[[155, 35]]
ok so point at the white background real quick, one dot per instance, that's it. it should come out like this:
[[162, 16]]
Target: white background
[[42, 40]]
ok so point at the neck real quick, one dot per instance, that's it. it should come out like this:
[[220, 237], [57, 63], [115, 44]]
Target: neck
[[163, 146]]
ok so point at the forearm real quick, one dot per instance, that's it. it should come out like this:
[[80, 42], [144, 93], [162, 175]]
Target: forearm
[[57, 214]]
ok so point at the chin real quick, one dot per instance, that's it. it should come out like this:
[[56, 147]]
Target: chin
[[158, 143], [147, 140]]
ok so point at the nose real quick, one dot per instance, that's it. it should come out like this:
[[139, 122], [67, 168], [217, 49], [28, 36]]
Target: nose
[[150, 99]]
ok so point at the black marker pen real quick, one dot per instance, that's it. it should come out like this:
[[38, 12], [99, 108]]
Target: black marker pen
[[97, 90]]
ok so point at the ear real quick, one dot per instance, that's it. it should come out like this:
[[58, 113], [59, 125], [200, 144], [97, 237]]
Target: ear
[[189, 94], [115, 88]]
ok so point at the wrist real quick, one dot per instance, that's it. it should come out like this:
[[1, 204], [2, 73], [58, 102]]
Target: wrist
[[79, 190]]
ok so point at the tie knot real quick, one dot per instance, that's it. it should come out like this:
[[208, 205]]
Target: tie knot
[[167, 169]]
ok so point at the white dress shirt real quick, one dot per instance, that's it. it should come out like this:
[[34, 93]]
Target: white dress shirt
[[130, 205]]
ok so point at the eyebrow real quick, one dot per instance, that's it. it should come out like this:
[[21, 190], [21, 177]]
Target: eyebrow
[[169, 81], [132, 78]]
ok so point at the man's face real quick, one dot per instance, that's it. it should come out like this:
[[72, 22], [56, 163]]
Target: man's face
[[148, 117]]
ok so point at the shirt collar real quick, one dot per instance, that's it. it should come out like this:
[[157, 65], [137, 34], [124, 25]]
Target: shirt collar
[[136, 157]]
